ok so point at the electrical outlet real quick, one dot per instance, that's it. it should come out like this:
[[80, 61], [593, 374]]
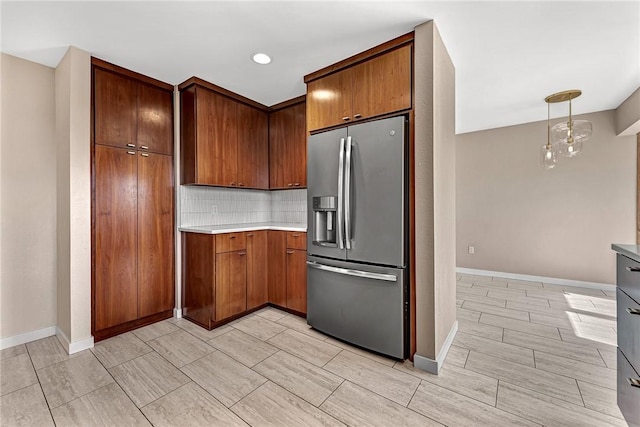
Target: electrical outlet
[[214, 209], [472, 250]]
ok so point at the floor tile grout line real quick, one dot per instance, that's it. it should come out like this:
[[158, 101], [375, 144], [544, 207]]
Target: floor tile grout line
[[332, 392]]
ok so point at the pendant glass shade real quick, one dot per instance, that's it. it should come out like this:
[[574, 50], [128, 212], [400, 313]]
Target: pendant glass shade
[[549, 156], [570, 150], [581, 131]]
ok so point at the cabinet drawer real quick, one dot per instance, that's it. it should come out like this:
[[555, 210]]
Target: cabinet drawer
[[628, 275], [229, 242], [297, 240], [628, 395], [629, 327]]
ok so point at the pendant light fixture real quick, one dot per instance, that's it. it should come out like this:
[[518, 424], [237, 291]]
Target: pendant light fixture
[[564, 138]]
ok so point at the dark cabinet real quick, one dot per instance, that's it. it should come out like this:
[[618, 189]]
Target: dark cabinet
[[230, 284], [257, 271], [288, 147], [224, 141], [132, 201], [115, 293], [198, 278], [374, 87], [132, 114], [288, 270]]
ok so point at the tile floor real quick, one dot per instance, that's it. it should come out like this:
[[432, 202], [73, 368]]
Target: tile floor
[[526, 354]]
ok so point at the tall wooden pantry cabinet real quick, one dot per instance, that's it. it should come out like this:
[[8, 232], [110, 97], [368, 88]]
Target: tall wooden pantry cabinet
[[132, 200]]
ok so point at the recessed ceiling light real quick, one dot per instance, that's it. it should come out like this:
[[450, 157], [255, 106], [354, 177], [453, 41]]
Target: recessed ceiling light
[[261, 58]]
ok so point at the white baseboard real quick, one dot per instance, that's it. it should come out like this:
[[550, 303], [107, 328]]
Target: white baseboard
[[177, 313], [433, 366], [550, 280], [27, 337], [76, 346]]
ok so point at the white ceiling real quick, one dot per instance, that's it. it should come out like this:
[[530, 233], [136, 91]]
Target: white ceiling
[[508, 55]]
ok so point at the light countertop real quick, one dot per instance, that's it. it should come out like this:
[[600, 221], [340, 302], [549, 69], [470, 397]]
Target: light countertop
[[630, 251], [234, 228]]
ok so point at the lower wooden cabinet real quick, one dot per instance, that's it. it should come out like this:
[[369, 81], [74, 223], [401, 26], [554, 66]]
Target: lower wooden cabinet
[[225, 275], [230, 284], [297, 280], [257, 271], [288, 270]]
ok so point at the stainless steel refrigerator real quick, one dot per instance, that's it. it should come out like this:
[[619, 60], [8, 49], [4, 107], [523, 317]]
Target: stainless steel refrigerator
[[357, 245]]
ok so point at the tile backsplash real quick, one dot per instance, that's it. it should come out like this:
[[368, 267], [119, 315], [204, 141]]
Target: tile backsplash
[[219, 206]]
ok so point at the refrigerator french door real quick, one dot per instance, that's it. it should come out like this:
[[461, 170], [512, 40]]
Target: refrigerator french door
[[357, 207]]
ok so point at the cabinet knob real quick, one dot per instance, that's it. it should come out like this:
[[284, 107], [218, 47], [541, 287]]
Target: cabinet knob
[[289, 252], [357, 116], [131, 145], [346, 118], [242, 253], [144, 147]]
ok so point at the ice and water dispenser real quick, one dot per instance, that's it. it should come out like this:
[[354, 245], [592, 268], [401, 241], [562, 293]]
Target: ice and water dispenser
[[324, 220]]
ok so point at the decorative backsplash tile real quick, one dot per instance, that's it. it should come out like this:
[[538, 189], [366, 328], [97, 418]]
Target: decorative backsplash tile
[[219, 206]]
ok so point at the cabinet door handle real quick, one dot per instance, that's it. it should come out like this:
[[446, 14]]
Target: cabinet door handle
[[250, 235], [241, 184], [144, 147], [346, 118], [242, 253], [635, 311], [357, 116], [634, 382], [232, 184], [144, 154], [232, 237], [289, 252], [131, 145], [295, 235], [633, 269], [289, 185], [131, 152], [297, 184]]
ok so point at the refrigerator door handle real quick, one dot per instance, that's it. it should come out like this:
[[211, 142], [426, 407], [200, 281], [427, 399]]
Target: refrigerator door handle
[[357, 273], [341, 196], [347, 195]]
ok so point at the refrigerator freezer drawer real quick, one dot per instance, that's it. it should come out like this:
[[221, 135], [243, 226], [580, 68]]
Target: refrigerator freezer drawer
[[363, 305]]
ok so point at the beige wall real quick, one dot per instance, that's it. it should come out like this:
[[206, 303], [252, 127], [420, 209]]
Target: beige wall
[[28, 199], [628, 115], [556, 223], [435, 192], [73, 107]]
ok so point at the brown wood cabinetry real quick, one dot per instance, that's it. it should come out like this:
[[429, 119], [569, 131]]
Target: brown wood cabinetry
[[277, 268], [257, 268], [288, 147], [374, 87], [198, 280], [288, 270], [155, 234], [132, 200], [129, 113], [230, 284], [224, 141], [115, 293], [297, 280]]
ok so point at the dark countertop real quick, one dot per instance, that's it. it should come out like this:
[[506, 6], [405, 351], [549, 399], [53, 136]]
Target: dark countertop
[[630, 251]]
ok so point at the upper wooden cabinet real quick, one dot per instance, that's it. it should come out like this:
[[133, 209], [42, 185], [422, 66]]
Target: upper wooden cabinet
[[224, 141], [288, 147], [375, 87], [129, 113]]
